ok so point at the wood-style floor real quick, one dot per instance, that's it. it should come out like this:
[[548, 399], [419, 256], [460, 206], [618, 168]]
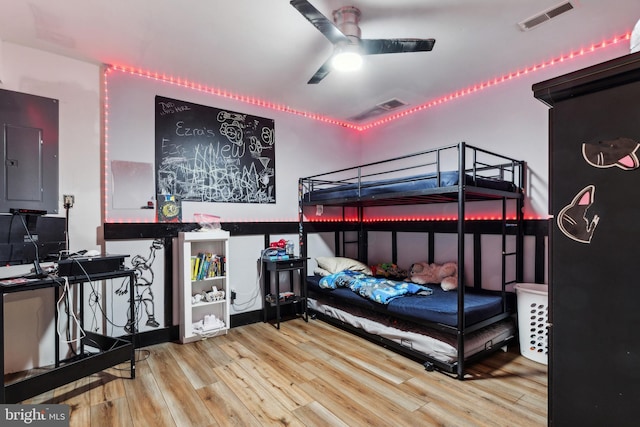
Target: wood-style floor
[[305, 374]]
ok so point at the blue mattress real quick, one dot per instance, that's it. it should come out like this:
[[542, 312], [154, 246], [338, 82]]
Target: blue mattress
[[439, 307], [414, 183]]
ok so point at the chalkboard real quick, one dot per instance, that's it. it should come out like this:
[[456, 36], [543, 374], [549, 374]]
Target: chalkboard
[[207, 154]]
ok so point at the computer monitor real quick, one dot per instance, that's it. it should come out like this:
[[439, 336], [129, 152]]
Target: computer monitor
[[21, 233]]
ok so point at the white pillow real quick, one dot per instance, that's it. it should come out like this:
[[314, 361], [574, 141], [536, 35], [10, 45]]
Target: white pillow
[[321, 272], [336, 264]]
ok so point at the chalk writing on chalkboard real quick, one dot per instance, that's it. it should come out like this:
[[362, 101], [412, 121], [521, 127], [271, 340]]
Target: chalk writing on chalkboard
[[211, 155]]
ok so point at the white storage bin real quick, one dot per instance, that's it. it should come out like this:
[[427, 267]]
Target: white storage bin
[[533, 304]]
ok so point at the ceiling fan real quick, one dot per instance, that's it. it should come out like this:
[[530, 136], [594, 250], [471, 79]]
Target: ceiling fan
[[344, 33]]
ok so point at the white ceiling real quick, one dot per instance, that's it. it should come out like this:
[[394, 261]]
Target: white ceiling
[[266, 49]]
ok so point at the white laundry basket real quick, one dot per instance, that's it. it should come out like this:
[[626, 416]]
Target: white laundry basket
[[533, 304]]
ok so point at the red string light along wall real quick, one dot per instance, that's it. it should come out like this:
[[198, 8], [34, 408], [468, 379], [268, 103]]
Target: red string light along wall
[[185, 83]]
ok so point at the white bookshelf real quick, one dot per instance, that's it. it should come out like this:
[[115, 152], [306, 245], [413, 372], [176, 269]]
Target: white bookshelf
[[203, 270]]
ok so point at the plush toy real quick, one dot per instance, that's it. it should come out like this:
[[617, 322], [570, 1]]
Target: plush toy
[[389, 271], [445, 274]]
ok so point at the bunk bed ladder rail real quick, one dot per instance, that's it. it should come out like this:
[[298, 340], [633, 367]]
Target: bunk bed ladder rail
[[359, 242], [519, 246], [461, 279], [516, 254], [302, 237], [516, 223], [342, 239]]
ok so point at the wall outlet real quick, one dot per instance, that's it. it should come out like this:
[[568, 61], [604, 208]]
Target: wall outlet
[[68, 201]]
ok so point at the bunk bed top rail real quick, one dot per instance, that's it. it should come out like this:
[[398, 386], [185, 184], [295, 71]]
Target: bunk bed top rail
[[435, 177]]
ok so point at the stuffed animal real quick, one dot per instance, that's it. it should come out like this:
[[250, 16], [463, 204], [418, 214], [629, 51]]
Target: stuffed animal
[[389, 271], [444, 274]]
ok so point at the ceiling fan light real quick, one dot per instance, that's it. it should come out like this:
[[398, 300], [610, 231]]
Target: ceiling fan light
[[347, 60]]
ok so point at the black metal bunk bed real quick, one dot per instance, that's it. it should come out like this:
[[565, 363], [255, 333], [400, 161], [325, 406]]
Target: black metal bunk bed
[[474, 175]]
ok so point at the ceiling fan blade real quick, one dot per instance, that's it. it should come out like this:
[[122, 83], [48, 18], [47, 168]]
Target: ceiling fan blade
[[318, 20], [321, 73], [375, 47]]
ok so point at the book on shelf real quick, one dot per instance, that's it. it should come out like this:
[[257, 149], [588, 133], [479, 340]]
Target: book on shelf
[[206, 265]]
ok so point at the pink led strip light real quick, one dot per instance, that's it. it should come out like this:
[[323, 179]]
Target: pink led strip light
[[278, 107], [446, 98], [504, 78]]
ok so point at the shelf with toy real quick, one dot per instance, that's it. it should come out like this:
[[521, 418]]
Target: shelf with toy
[[204, 283]]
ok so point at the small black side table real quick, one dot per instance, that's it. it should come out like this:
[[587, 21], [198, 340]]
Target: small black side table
[[273, 300]]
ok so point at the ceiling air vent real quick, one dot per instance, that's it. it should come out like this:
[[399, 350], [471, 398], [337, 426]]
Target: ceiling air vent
[[383, 107], [392, 104], [534, 21]]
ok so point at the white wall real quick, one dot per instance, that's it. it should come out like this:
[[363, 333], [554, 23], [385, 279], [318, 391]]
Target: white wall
[[505, 118], [77, 86], [29, 316], [302, 146]]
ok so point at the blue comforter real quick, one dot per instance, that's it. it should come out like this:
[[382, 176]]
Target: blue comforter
[[374, 288]]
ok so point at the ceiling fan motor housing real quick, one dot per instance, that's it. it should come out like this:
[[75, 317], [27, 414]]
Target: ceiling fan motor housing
[[347, 19]]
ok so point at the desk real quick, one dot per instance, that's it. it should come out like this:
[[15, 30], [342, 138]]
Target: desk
[[273, 300], [119, 349]]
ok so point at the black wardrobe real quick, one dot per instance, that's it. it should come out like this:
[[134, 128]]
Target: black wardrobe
[[594, 283]]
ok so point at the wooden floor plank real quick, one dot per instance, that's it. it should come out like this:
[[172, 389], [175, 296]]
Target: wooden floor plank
[[485, 408], [347, 408], [305, 374], [80, 416], [147, 403], [378, 385], [226, 407], [367, 355], [278, 384], [267, 410], [182, 399], [195, 363], [211, 346], [106, 387], [270, 339], [111, 413], [447, 414], [77, 396], [372, 394], [316, 415], [318, 351], [282, 357], [509, 386]]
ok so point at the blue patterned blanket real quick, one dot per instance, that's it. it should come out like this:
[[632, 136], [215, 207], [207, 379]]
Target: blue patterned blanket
[[375, 288]]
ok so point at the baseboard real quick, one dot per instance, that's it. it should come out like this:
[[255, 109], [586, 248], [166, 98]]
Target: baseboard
[[246, 318], [171, 333], [157, 336]]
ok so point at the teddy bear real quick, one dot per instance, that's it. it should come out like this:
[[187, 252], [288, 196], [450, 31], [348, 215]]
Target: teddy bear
[[445, 274]]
